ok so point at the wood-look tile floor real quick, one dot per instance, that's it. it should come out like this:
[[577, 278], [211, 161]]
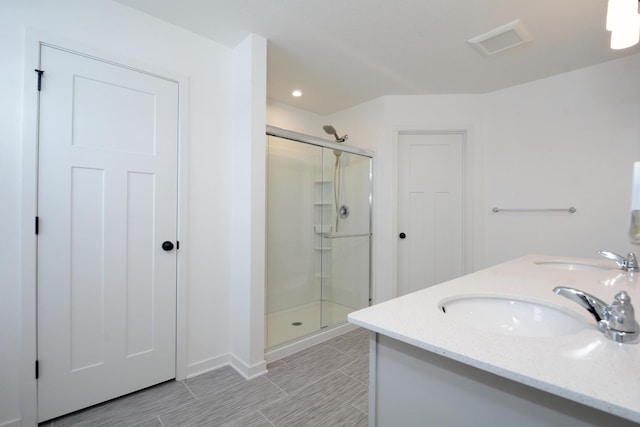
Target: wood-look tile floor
[[325, 385]]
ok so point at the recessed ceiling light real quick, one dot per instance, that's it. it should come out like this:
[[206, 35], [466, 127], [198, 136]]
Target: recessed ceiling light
[[296, 93]]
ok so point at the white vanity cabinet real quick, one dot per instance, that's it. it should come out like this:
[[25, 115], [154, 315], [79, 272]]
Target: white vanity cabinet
[[410, 386]]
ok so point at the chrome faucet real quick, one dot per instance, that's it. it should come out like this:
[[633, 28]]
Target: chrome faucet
[[617, 322], [630, 263]]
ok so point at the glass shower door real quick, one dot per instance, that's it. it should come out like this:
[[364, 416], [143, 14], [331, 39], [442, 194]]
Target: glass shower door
[[318, 233]]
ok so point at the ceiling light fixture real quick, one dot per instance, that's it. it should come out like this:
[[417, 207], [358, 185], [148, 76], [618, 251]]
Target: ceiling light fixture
[[623, 21], [296, 93]]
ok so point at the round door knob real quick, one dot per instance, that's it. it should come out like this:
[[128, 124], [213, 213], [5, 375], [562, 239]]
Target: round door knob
[[402, 235], [167, 246]]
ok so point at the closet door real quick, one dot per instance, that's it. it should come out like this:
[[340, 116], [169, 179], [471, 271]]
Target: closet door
[[107, 203]]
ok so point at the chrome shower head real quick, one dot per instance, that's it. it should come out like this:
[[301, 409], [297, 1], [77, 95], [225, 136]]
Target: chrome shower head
[[332, 131]]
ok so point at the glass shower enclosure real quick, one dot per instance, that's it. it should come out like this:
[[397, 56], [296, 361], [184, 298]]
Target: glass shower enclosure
[[319, 198]]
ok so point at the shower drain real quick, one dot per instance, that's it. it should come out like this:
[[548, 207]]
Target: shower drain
[[296, 324]]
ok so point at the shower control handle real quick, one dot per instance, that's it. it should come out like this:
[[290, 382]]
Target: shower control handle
[[167, 246], [402, 235]]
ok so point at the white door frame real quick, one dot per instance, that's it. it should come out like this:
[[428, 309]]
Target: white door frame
[[467, 188], [33, 41]]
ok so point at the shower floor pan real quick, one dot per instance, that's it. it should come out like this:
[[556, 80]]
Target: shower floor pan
[[287, 325]]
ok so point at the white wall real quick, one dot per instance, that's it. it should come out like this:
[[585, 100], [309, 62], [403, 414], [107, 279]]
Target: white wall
[[10, 159], [113, 28], [291, 118], [569, 140], [247, 245]]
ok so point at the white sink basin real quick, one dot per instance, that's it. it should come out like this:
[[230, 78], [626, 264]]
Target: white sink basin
[[512, 317], [573, 266]]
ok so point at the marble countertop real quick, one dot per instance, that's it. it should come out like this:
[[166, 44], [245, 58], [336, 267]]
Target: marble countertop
[[583, 366]]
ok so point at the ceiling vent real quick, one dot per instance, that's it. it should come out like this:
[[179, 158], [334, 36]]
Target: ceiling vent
[[502, 38]]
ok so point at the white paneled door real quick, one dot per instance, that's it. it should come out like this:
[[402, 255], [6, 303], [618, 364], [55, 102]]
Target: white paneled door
[[430, 211], [107, 201]]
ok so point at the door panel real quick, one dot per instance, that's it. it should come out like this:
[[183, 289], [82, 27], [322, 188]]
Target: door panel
[[108, 124], [107, 199], [86, 284], [430, 192]]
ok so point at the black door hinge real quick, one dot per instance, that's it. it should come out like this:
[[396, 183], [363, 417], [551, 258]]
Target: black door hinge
[[37, 369], [37, 225], [40, 72]]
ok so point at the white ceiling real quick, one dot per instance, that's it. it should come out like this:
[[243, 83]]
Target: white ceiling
[[344, 52]]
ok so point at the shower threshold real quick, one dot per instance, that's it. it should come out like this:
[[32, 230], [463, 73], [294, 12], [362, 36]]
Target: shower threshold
[[288, 325]]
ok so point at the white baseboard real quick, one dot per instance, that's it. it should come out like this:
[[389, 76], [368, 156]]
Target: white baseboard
[[249, 372], [204, 366], [207, 365], [11, 423]]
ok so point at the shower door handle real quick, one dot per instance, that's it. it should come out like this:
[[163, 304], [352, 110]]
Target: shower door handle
[[402, 235]]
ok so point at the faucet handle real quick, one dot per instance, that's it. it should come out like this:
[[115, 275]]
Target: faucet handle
[[619, 259], [630, 263], [621, 314]]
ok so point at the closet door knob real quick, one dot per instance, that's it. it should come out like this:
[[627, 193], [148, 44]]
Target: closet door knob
[[167, 246], [402, 235]]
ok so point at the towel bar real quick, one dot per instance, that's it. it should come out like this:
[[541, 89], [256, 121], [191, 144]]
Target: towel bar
[[570, 210], [333, 236]]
